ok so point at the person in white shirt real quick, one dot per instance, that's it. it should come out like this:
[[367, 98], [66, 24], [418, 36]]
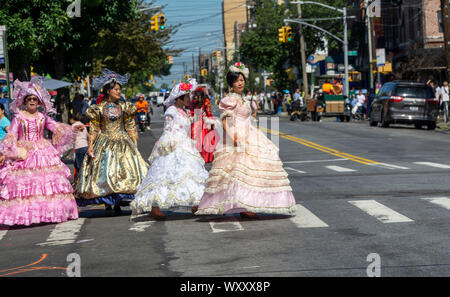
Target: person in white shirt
[[444, 96], [361, 100]]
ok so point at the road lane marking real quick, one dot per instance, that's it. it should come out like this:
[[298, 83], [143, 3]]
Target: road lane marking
[[3, 233], [340, 169], [141, 226], [64, 233], [320, 147], [441, 201], [314, 161], [389, 166], [229, 226], [431, 164], [380, 211], [298, 171], [304, 218]]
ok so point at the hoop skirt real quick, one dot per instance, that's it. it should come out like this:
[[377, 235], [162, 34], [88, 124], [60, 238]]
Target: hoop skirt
[[248, 175], [34, 183], [117, 168], [177, 176]]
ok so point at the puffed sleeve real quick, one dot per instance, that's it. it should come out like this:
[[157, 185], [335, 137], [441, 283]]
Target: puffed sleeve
[[227, 106], [129, 111], [8, 146], [93, 113], [63, 134]]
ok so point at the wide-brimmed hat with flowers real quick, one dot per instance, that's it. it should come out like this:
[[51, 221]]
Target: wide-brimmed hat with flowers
[[179, 90], [34, 87], [239, 67]]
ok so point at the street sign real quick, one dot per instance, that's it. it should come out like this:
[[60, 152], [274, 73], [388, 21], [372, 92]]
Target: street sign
[[311, 59], [352, 53], [381, 57]]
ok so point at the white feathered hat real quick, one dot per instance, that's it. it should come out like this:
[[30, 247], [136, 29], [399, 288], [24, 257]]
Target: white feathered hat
[[180, 90]]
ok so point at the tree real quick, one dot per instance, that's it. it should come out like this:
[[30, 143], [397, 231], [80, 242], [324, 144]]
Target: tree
[[261, 49]]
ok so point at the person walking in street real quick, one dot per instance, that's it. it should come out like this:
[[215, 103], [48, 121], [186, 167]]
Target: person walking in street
[[34, 182], [247, 175], [177, 176], [143, 108], [81, 142], [298, 97], [4, 122], [444, 98], [114, 167]]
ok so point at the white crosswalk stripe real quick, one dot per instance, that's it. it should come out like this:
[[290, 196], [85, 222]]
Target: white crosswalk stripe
[[431, 164], [441, 201], [64, 233], [381, 212], [304, 218], [340, 169], [3, 233], [229, 226]]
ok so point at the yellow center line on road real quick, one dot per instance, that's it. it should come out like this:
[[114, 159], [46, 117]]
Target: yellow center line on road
[[321, 148]]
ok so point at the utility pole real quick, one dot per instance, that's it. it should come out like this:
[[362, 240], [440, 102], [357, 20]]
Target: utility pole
[[303, 54], [370, 40], [445, 8]]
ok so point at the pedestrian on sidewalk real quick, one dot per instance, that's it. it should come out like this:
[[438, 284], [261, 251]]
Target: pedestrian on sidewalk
[[177, 176], [114, 168], [247, 176], [34, 182]]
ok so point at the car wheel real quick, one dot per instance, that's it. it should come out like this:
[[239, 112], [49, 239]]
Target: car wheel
[[384, 123], [431, 126], [372, 123]]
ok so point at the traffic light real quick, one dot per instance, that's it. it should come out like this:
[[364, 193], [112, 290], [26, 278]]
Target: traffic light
[[219, 54], [204, 72], [155, 22], [288, 33], [282, 34], [170, 60], [162, 21], [214, 55]]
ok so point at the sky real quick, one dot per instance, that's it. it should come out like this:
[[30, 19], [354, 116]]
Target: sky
[[194, 32]]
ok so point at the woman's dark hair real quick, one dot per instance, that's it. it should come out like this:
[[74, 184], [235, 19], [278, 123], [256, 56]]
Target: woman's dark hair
[[109, 87], [232, 77], [2, 107]]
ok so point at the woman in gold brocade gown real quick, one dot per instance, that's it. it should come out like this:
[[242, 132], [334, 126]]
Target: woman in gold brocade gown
[[114, 167]]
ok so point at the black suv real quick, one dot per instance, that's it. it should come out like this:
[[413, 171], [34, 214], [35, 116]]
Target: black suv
[[405, 102]]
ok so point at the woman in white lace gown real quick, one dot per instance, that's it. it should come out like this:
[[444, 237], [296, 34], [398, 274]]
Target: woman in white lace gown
[[177, 175]]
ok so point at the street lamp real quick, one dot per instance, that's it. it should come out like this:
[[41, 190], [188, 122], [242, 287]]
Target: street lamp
[[345, 41]]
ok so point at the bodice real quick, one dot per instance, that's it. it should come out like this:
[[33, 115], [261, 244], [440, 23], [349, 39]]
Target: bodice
[[31, 128]]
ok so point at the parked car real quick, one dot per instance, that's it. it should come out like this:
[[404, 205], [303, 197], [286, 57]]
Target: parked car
[[404, 102]]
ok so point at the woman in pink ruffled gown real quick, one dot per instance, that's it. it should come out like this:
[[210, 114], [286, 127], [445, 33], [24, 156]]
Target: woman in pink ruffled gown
[[247, 175], [34, 183]]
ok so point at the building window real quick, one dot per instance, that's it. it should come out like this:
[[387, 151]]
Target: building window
[[441, 25]]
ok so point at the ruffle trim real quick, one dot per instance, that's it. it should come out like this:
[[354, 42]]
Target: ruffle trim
[[219, 208], [190, 177], [170, 202], [48, 209], [221, 182]]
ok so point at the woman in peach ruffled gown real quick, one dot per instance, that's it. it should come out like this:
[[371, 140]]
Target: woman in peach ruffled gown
[[247, 175]]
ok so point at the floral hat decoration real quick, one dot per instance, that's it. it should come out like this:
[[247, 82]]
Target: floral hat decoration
[[239, 67], [179, 90], [110, 77], [34, 87]]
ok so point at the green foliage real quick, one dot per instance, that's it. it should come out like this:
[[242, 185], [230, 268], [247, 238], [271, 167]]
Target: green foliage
[[261, 49]]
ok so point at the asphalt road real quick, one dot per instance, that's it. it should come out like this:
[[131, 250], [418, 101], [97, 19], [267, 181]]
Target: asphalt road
[[365, 195]]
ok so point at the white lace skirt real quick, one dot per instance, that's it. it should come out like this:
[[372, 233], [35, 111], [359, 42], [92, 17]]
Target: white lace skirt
[[174, 180]]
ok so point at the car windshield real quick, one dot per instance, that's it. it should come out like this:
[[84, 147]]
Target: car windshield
[[414, 92]]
